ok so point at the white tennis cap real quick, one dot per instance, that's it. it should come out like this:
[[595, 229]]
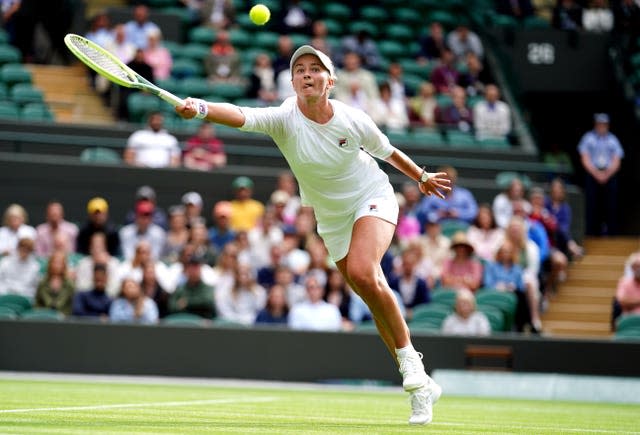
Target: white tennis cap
[[324, 59]]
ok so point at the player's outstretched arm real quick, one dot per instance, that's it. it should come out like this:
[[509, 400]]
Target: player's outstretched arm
[[436, 183], [220, 113]]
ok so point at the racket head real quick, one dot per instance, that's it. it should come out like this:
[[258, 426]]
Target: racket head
[[102, 61]]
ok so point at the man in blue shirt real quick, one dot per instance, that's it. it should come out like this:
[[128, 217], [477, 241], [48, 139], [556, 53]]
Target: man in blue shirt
[[96, 302], [601, 153]]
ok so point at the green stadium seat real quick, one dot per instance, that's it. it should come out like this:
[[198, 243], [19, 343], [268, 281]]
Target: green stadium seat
[[504, 301], [504, 178], [4, 37], [183, 67], [309, 7], [100, 155], [495, 316], [229, 91], [337, 11], [244, 23], [628, 321], [183, 319], [426, 136], [536, 22], [157, 4], [18, 303], [274, 5], [195, 87], [202, 35], [12, 73], [635, 60], [413, 82], [9, 110], [447, 19], [23, 93], [182, 13], [374, 14], [197, 52], [628, 334], [241, 38], [173, 47], [140, 104], [411, 66], [299, 39], [431, 314], [227, 323], [408, 17], [400, 32], [6, 313], [444, 100], [356, 27], [9, 54], [36, 112], [170, 84], [42, 314], [460, 139], [444, 296], [392, 50], [449, 227], [334, 27], [494, 142], [504, 21], [266, 40], [4, 91]]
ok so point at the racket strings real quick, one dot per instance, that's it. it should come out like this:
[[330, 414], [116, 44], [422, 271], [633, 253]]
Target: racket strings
[[98, 58]]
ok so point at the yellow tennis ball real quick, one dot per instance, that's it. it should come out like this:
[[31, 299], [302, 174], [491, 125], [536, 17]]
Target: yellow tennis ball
[[259, 14]]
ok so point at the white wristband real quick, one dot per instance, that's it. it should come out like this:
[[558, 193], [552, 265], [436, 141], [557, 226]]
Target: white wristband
[[202, 108]]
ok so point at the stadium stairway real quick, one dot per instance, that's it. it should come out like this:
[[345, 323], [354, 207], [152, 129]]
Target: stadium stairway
[[582, 305], [67, 92]]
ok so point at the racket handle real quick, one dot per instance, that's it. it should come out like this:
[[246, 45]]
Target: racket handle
[[170, 98]]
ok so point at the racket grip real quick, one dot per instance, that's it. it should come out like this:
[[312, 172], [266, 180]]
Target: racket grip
[[170, 98]]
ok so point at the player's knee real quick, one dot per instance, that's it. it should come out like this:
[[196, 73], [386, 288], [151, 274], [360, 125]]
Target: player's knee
[[363, 277]]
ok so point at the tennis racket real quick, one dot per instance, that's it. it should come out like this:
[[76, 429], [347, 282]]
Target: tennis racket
[[108, 65]]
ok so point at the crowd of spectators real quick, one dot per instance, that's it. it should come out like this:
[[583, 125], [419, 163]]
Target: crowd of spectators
[[251, 262]]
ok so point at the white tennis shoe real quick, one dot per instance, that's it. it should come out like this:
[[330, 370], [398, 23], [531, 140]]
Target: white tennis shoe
[[412, 371], [422, 401]]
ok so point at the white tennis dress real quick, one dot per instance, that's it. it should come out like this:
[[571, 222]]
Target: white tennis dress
[[333, 164]]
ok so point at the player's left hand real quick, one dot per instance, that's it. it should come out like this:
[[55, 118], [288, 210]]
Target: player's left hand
[[436, 184]]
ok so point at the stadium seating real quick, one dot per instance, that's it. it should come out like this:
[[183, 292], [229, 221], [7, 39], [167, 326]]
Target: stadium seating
[[504, 301], [7, 313], [36, 112], [140, 104], [42, 314], [431, 315], [17, 303], [23, 93], [9, 54], [9, 110], [183, 319], [495, 316], [202, 35], [12, 73], [444, 296], [184, 67], [100, 155], [628, 322]]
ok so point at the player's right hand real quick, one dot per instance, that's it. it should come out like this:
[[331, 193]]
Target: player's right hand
[[189, 109]]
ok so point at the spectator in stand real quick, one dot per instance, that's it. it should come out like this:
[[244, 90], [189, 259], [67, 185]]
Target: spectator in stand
[[319, 38], [246, 212], [55, 224], [194, 296], [390, 114], [293, 18], [152, 289], [148, 193], [597, 17], [243, 299], [95, 302], [219, 14], [14, 228], [153, 147], [287, 183], [276, 310], [436, 249], [173, 275], [567, 15], [262, 238], [285, 277], [463, 270], [466, 320], [100, 31], [413, 288], [432, 44], [627, 23], [422, 106], [221, 233], [491, 117], [204, 151], [98, 255], [485, 236], [558, 206], [192, 203], [124, 49], [503, 273], [338, 293], [142, 229], [20, 271], [357, 98], [535, 231], [445, 76], [315, 314], [628, 290], [266, 275], [222, 64], [475, 78], [132, 305], [395, 80], [503, 202], [284, 87], [262, 81], [284, 51], [98, 222], [139, 28], [133, 268], [121, 97], [519, 9], [10, 18], [354, 73], [463, 40], [601, 155], [364, 46], [158, 57], [528, 257], [177, 235], [408, 227], [199, 238], [458, 204], [56, 288], [458, 114], [277, 205]]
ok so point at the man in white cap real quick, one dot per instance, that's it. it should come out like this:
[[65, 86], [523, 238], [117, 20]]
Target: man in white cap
[[330, 148], [192, 202]]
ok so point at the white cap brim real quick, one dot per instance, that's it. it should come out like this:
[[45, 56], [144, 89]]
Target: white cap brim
[[307, 49]]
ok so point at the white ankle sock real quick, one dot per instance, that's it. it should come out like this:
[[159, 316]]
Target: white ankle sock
[[403, 351]]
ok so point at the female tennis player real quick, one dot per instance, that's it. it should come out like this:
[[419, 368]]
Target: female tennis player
[[329, 147]]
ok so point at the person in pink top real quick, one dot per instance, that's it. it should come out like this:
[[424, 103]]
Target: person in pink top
[[484, 234], [628, 291], [462, 270], [55, 224], [158, 56]]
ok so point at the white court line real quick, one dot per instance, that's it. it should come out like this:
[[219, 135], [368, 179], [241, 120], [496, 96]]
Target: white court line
[[138, 405]]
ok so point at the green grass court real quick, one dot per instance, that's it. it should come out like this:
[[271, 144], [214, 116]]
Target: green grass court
[[86, 407]]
